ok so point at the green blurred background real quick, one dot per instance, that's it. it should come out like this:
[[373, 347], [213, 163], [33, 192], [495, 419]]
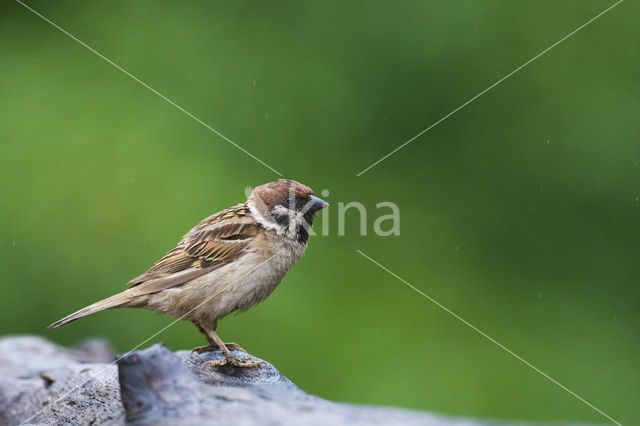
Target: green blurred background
[[519, 212]]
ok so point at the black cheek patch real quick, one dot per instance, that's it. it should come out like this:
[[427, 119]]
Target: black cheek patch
[[303, 235], [281, 219]]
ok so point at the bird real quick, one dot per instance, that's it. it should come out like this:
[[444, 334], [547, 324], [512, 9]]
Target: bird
[[228, 263]]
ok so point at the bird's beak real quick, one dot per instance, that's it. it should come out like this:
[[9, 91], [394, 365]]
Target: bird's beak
[[316, 204]]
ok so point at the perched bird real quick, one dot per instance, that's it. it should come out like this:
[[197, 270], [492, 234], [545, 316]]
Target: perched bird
[[229, 262]]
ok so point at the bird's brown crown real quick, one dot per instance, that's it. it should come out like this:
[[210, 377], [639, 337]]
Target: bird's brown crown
[[274, 193]]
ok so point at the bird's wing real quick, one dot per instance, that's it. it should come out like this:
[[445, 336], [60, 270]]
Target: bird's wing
[[214, 242]]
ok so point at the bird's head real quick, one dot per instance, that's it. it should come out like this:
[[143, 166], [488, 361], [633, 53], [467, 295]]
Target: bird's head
[[286, 206]]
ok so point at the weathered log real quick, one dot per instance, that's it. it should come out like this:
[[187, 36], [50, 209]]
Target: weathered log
[[43, 383]]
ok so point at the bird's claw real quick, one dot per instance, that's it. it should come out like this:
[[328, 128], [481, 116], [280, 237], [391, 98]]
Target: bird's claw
[[202, 349], [210, 348], [235, 347], [238, 362]]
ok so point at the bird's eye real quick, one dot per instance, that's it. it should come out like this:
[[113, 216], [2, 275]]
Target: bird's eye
[[290, 198]]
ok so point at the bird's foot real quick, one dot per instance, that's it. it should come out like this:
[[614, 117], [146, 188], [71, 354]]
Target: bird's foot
[[235, 347], [233, 360], [210, 348], [203, 349]]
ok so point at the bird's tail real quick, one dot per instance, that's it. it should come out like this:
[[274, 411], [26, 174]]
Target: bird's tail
[[114, 301]]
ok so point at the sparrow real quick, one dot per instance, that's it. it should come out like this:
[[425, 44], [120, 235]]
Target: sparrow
[[227, 263]]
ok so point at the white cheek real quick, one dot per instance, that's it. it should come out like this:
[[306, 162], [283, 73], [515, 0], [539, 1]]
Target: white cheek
[[266, 223], [296, 219], [282, 210]]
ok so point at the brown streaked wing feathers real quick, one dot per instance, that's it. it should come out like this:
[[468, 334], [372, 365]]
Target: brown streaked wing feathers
[[216, 241]]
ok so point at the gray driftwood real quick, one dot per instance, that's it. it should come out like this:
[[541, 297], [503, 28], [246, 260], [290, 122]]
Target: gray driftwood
[[156, 386]]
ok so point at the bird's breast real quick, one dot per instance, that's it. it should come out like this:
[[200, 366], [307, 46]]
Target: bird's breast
[[265, 269], [236, 286]]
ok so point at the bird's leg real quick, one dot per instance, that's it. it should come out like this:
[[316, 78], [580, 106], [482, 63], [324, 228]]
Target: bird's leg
[[212, 346], [216, 343], [229, 358]]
